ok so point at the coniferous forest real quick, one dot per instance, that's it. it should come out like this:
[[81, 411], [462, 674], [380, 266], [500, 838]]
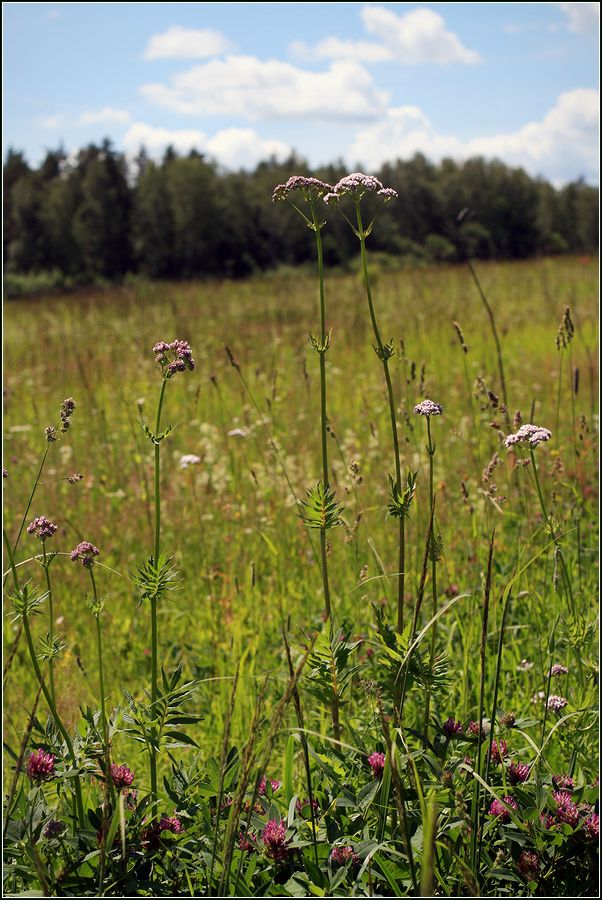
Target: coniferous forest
[[98, 215]]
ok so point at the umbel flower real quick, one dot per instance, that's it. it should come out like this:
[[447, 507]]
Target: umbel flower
[[85, 551], [173, 357], [311, 188], [428, 408], [41, 527], [528, 434], [356, 185]]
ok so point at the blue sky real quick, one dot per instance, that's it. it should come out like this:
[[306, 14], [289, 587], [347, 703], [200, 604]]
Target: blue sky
[[362, 82]]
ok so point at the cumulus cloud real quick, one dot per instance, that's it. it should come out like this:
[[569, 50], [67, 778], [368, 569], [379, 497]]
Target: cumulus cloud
[[419, 36], [562, 143], [255, 89], [234, 148], [582, 17], [186, 43], [106, 116], [335, 48]]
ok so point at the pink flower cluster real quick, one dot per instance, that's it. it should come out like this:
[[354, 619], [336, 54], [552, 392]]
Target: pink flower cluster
[[311, 188], [528, 864], [122, 776], [274, 839], [343, 855], [85, 551], [518, 772], [452, 728], [428, 408], [173, 357], [263, 785], [498, 751], [531, 434], [40, 766], [377, 764], [41, 527], [356, 185], [499, 809]]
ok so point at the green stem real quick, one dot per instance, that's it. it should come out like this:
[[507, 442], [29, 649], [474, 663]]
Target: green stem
[[498, 346], [51, 622], [105, 737], [30, 501], [156, 552], [431, 454], [385, 363]]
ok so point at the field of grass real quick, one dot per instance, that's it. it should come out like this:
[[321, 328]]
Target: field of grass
[[250, 568]]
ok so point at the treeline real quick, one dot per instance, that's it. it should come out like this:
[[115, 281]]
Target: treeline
[[97, 216]]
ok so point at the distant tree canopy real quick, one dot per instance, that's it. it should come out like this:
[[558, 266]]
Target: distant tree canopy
[[96, 216]]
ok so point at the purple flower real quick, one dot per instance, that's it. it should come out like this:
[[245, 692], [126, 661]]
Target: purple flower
[[518, 772], [568, 813], [343, 855], [531, 434], [479, 731], [40, 766], [558, 669], [246, 842], [509, 720], [528, 864], [498, 809], [274, 838], [356, 185], [263, 785], [563, 782], [4, 473], [562, 798], [591, 827], [53, 829], [428, 408], [311, 188], [86, 552], [498, 751], [170, 823], [556, 703], [451, 727], [122, 776], [173, 357], [377, 764], [300, 805], [41, 527]]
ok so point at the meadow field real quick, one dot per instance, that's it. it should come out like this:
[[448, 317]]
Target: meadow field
[[379, 803]]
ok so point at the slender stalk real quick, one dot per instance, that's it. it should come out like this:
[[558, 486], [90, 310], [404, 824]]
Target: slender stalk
[[30, 501], [382, 355], [51, 621], [431, 453], [153, 602]]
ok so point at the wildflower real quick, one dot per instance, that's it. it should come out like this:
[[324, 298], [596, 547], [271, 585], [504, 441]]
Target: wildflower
[[498, 751], [557, 669], [189, 459], [451, 727], [531, 434], [343, 855], [122, 776], [40, 766], [86, 552], [528, 864], [274, 838], [568, 813], [238, 432], [428, 408], [300, 805], [41, 527], [498, 809], [524, 665], [481, 731], [311, 188], [556, 703], [4, 473], [246, 842], [50, 434], [74, 478], [377, 764], [174, 357], [170, 823], [518, 772], [356, 185], [509, 720], [53, 829], [67, 410], [563, 782], [447, 778], [591, 827], [263, 785]]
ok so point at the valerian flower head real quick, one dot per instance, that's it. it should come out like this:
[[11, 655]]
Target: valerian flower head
[[356, 185], [173, 357], [40, 766], [85, 551], [311, 188], [189, 459], [428, 408], [559, 669], [41, 527], [528, 434], [556, 703]]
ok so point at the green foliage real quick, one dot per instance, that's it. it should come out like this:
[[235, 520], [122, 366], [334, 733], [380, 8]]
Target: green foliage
[[320, 508], [155, 581], [329, 669], [153, 725]]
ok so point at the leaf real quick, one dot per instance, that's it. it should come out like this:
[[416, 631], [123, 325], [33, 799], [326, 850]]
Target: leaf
[[320, 509], [288, 768], [181, 738]]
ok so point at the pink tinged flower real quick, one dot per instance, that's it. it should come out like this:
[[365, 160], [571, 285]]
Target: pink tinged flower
[[569, 814], [263, 785], [451, 727], [42, 528], [563, 782], [300, 805], [170, 823], [85, 551], [558, 669], [311, 188], [528, 864], [122, 776], [499, 810], [356, 185], [274, 839], [498, 751], [342, 855], [556, 703], [529, 434], [246, 842], [591, 827], [428, 408], [479, 731], [562, 798], [40, 766], [174, 357], [377, 764], [518, 772], [4, 473]]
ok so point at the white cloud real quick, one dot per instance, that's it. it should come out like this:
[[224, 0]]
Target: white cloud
[[582, 17], [419, 36], [234, 148], [560, 146], [254, 89], [52, 123], [186, 43], [106, 116], [335, 48]]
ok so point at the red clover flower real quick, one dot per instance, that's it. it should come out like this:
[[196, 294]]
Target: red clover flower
[[498, 751], [518, 772], [274, 838], [343, 855], [563, 782], [452, 728], [591, 827], [263, 785], [498, 809], [40, 766], [53, 829], [42, 528], [122, 776], [377, 764], [528, 864], [170, 823], [86, 552]]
